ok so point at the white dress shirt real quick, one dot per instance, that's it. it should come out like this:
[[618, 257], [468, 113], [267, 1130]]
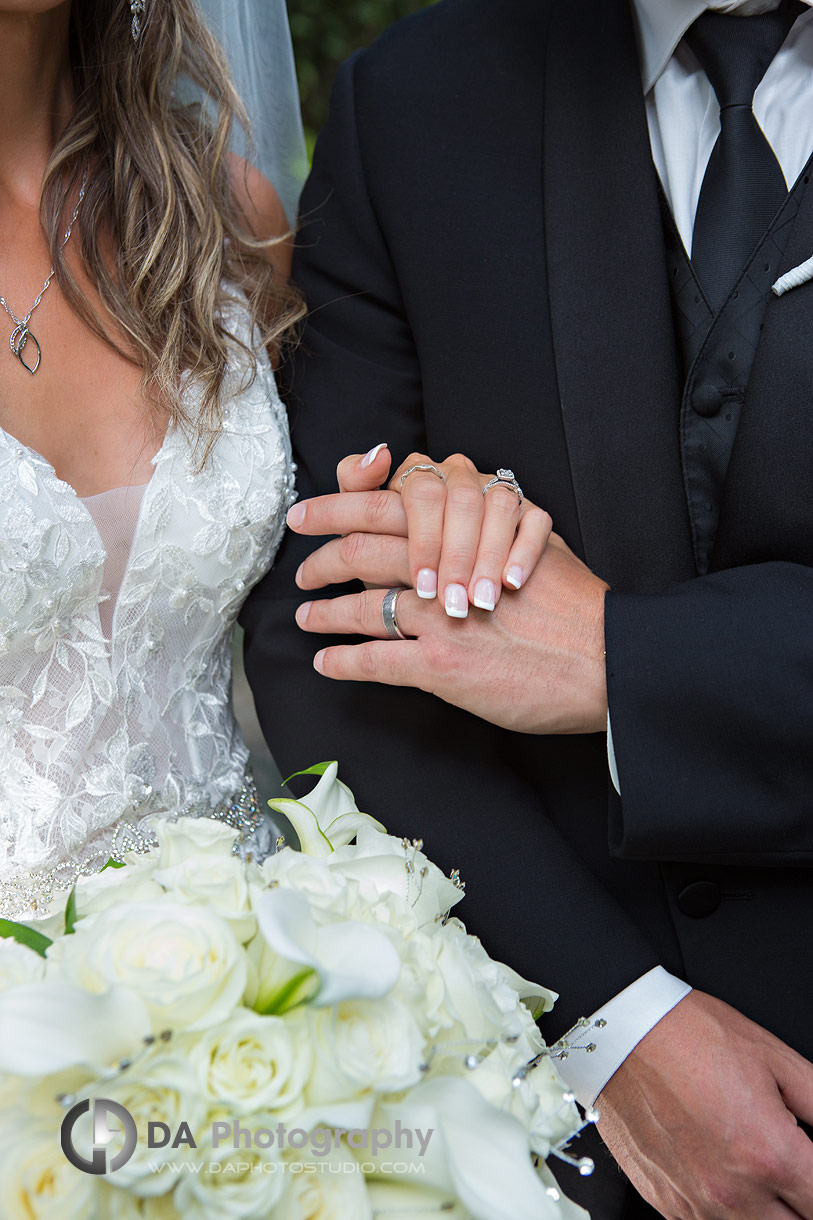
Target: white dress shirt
[[684, 121]]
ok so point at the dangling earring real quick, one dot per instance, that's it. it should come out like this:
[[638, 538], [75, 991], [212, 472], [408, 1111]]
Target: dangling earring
[[137, 9]]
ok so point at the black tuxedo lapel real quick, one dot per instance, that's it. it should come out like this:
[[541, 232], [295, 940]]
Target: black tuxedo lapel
[[609, 298], [767, 506]]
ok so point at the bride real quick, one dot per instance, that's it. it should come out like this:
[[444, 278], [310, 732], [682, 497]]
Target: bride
[[145, 466]]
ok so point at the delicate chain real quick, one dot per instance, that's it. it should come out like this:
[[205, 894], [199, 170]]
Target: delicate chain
[[23, 322]]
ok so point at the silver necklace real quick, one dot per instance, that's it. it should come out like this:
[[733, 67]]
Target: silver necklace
[[21, 333]]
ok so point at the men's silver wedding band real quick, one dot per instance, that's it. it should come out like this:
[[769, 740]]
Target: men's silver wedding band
[[388, 609], [428, 467], [505, 478]]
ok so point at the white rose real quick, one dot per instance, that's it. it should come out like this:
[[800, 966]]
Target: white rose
[[252, 1062], [180, 838], [160, 1087], [133, 882], [18, 963], [363, 1045], [382, 865], [324, 1188], [195, 863], [121, 1205], [421, 984], [184, 962], [37, 1182], [230, 1183], [479, 997], [14, 1092], [311, 875]]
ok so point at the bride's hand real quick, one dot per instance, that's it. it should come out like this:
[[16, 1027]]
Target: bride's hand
[[466, 544]]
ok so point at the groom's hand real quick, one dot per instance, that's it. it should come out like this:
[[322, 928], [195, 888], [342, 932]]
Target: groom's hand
[[535, 664], [702, 1118]]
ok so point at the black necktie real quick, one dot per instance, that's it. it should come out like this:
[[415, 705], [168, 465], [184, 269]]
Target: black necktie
[[743, 185]]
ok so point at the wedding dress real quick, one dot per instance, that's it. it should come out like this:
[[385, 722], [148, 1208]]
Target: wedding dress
[[116, 618]]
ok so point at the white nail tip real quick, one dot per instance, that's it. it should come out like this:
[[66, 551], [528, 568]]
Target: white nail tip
[[370, 457], [512, 580], [481, 605], [452, 613], [427, 597]]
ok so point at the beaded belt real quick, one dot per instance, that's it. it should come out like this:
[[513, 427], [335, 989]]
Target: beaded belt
[[29, 894]]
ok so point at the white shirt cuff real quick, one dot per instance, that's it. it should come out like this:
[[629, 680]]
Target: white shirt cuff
[[616, 1029], [611, 757]]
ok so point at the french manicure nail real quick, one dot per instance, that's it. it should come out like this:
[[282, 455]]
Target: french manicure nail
[[302, 613], [485, 595], [370, 457], [317, 661], [514, 576], [427, 586], [296, 515], [457, 601]]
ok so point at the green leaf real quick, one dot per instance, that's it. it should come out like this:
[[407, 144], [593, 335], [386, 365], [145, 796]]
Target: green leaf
[[288, 996], [316, 769], [111, 863], [70, 912], [25, 936]]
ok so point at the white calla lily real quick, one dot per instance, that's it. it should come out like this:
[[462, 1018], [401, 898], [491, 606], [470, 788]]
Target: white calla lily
[[483, 1153], [49, 1026], [539, 999], [327, 818], [353, 960]]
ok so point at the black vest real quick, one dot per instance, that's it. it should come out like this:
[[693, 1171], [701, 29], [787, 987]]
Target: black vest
[[717, 351]]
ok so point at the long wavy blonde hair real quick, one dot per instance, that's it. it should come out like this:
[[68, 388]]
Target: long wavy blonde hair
[[162, 232]]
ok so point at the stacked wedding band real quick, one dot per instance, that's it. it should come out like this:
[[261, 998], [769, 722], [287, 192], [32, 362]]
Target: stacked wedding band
[[428, 467]]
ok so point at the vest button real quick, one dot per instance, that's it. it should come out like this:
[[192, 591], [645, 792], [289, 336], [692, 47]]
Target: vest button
[[699, 899], [707, 401]]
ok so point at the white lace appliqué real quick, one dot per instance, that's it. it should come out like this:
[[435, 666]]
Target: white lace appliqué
[[111, 713]]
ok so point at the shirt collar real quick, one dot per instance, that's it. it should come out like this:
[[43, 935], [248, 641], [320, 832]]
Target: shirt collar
[[661, 24]]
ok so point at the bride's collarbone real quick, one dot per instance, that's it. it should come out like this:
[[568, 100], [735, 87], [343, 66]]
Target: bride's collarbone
[[83, 410]]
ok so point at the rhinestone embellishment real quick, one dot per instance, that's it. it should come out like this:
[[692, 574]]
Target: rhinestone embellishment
[[30, 894]]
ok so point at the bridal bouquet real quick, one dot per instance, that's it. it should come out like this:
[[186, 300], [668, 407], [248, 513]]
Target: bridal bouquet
[[196, 1035]]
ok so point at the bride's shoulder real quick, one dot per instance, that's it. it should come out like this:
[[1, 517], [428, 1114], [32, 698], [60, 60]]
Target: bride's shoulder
[[261, 213]]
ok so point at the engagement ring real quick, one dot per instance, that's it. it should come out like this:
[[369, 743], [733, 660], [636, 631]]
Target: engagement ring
[[505, 478]]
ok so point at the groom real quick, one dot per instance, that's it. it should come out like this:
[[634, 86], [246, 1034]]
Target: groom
[[494, 251]]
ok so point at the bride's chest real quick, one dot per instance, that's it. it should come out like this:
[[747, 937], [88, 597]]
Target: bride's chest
[[198, 541]]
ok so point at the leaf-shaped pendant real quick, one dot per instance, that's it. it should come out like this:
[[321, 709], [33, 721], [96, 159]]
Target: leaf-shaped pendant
[[19, 338]]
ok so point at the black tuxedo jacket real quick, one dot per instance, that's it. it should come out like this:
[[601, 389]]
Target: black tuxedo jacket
[[482, 252]]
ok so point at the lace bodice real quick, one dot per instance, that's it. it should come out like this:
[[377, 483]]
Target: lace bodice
[[115, 669]]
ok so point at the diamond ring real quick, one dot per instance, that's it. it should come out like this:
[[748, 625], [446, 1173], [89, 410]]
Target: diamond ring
[[505, 478]]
